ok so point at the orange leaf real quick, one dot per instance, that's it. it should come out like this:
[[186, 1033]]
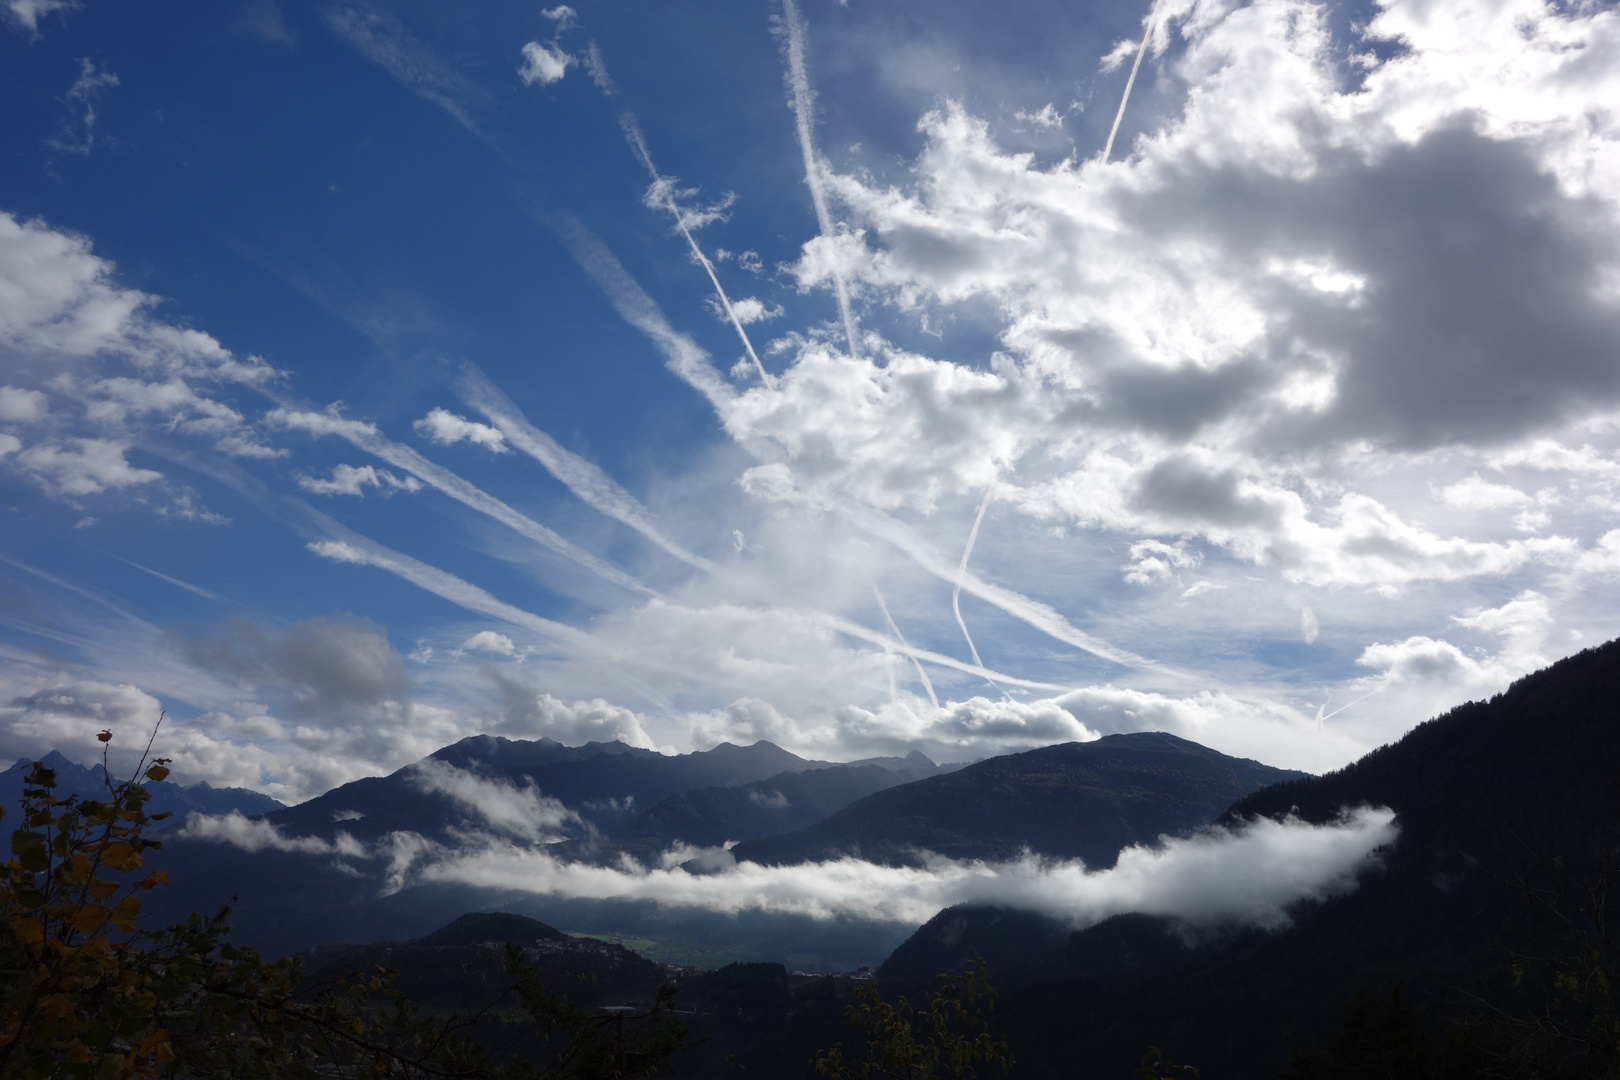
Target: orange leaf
[[29, 932], [122, 857], [90, 918]]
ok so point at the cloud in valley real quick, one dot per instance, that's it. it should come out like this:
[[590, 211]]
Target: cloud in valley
[[1250, 875]]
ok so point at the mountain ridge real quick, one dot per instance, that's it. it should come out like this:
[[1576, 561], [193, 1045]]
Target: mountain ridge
[[1085, 800]]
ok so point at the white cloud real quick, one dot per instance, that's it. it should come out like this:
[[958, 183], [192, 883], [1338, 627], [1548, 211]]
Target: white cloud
[[1476, 494], [522, 812], [446, 429], [252, 834], [82, 466], [21, 405], [1422, 675], [748, 310], [1153, 562], [488, 641], [1250, 875], [543, 64], [1046, 116], [79, 135], [386, 42], [26, 14], [350, 480], [60, 300]]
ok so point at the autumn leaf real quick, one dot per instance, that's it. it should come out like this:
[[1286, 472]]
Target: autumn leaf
[[90, 918], [121, 857]]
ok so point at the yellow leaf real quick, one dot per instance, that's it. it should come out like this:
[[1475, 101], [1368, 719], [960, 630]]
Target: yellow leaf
[[121, 857], [52, 1006], [101, 889], [29, 932], [156, 773], [90, 918]]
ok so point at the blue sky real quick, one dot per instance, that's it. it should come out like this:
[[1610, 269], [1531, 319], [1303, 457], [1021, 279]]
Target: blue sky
[[363, 387]]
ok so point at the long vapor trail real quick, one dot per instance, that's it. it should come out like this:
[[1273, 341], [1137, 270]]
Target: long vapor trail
[[587, 481], [894, 628], [366, 437], [685, 357], [1147, 33], [663, 195], [803, 102]]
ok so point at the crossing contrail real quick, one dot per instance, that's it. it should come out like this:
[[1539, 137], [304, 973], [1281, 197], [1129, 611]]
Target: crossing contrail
[[894, 629], [664, 196]]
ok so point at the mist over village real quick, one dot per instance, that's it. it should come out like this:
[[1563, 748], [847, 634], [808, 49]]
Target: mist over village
[[809, 538]]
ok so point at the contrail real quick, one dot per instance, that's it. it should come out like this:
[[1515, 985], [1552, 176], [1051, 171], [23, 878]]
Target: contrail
[[1032, 612], [685, 357], [351, 547], [360, 551], [956, 593], [588, 482], [366, 437], [186, 585], [661, 192], [894, 629], [803, 104], [1130, 82], [856, 630]]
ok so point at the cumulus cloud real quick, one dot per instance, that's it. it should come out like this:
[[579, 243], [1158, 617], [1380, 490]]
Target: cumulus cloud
[[533, 714], [21, 405], [747, 311], [543, 64], [82, 466], [1201, 338], [446, 429], [488, 641]]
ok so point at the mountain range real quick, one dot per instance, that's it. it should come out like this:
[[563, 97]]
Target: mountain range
[[1506, 810], [1083, 800], [1080, 800], [166, 795]]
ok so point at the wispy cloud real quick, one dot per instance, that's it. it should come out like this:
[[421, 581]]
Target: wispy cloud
[[385, 41]]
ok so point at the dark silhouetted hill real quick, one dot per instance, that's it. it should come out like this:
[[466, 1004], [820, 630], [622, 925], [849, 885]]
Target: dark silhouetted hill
[[1077, 800], [1482, 793]]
